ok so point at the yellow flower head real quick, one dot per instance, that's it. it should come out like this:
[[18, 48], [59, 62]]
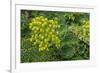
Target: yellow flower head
[[44, 32]]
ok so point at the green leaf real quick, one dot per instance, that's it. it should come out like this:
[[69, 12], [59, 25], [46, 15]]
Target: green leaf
[[68, 52]]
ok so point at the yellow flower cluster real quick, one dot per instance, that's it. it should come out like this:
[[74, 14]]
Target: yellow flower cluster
[[44, 33], [85, 31]]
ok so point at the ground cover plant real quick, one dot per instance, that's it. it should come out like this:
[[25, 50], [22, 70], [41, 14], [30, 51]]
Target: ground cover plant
[[54, 36]]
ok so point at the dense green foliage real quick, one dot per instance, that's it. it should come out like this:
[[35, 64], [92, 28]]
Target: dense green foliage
[[54, 36]]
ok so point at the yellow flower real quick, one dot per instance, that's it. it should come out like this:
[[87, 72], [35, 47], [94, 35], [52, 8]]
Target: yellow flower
[[41, 36], [53, 30], [57, 32], [44, 33], [31, 39], [40, 45], [50, 25], [41, 30], [35, 43], [58, 26], [56, 22], [45, 19], [45, 23], [45, 40], [33, 28], [39, 23], [37, 29], [37, 18], [41, 17], [50, 21]]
